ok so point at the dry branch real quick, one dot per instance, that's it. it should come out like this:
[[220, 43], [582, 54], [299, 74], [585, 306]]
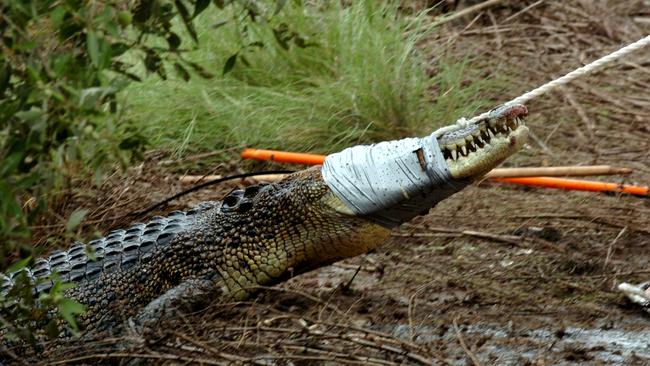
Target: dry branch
[[469, 10]]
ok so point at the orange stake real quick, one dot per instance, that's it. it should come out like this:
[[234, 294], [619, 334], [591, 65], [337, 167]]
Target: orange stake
[[549, 182], [283, 156], [577, 185]]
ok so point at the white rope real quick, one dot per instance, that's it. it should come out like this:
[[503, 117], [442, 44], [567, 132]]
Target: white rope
[[584, 70], [589, 68]]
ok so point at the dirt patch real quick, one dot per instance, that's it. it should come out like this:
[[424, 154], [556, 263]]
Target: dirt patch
[[498, 274]]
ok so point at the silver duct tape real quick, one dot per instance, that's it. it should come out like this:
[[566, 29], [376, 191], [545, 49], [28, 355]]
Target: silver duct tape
[[391, 182]]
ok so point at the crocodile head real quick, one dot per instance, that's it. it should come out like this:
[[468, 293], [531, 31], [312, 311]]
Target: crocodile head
[[472, 150], [393, 181]]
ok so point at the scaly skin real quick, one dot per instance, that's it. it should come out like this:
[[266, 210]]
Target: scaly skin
[[255, 237]]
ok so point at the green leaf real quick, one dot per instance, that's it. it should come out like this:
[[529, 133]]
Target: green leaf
[[92, 45], [90, 97], [174, 41], [132, 142], [199, 6], [252, 9], [57, 288], [143, 10], [244, 60], [200, 70], [33, 75], [33, 115], [57, 16], [280, 34], [152, 61], [187, 20], [180, 70], [10, 164], [302, 43], [75, 219], [52, 329], [18, 265], [68, 309], [118, 48], [5, 74], [279, 4], [257, 44], [230, 63]]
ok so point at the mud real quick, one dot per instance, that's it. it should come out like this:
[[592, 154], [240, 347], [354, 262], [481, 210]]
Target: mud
[[578, 346]]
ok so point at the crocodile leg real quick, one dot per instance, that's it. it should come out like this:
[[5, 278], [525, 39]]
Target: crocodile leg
[[189, 295]]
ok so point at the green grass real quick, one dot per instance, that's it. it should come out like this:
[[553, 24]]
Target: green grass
[[364, 80]]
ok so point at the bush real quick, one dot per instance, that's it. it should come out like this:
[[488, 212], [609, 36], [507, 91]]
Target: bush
[[61, 66]]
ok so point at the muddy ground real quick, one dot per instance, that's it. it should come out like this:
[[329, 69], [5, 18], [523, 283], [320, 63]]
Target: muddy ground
[[497, 274]]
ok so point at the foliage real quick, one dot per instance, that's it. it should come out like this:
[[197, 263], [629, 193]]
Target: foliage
[[62, 64], [59, 74], [25, 316]]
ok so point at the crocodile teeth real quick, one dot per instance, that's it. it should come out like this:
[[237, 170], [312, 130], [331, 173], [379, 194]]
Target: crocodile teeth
[[479, 138], [462, 151], [485, 135], [470, 147]]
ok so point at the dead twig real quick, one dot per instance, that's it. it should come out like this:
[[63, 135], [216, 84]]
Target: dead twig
[[199, 156], [301, 293], [611, 247], [557, 171], [568, 95], [155, 356], [205, 347], [342, 357], [461, 13], [469, 352], [411, 310], [514, 240]]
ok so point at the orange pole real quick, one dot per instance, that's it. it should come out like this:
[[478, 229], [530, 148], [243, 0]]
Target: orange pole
[[577, 185], [549, 182], [283, 156]]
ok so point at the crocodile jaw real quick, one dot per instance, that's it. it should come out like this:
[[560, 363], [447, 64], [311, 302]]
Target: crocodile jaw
[[474, 150], [477, 163]]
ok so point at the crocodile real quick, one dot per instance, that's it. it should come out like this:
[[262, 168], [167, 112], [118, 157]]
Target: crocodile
[[255, 237]]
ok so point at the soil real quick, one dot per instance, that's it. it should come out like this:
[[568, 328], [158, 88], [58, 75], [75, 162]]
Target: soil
[[496, 275]]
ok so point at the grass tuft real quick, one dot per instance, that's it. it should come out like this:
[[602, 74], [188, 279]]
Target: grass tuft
[[360, 79]]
